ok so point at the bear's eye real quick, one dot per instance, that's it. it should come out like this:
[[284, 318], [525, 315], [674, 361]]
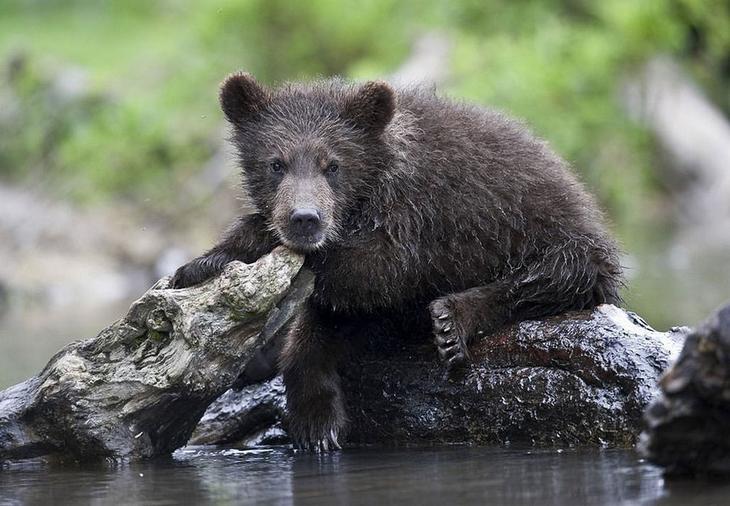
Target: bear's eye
[[333, 167], [277, 166]]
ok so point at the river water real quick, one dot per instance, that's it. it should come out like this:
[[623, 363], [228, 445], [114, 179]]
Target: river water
[[439, 476]]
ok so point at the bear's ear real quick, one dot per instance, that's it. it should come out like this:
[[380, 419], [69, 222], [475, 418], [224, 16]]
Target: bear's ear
[[242, 98], [371, 107]]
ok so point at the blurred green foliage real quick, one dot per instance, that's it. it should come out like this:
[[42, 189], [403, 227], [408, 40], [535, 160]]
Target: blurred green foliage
[[154, 66], [147, 116]]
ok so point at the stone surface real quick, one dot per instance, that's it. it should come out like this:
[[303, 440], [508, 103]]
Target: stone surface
[[583, 378], [139, 388], [246, 417], [688, 425]]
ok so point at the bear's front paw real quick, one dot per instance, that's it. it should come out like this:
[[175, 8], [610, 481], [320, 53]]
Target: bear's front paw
[[450, 337], [192, 273], [184, 277]]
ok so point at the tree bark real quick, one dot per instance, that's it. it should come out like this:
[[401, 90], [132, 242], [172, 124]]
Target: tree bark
[[139, 388]]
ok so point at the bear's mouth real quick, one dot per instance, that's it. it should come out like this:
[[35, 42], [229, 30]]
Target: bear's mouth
[[304, 243]]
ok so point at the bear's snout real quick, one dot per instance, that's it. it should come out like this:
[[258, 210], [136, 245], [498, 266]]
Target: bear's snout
[[305, 221]]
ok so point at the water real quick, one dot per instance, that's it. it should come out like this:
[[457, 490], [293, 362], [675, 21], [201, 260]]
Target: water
[[442, 476], [30, 337]]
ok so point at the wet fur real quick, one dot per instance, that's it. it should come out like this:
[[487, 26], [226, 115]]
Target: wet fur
[[438, 204]]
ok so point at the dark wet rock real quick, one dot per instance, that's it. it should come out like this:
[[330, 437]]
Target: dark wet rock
[[248, 417], [688, 425], [140, 387], [583, 378]]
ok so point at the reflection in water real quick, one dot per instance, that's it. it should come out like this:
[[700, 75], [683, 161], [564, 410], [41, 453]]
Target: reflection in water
[[454, 475]]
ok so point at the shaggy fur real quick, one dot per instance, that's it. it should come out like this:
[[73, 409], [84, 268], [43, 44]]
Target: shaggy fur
[[424, 203]]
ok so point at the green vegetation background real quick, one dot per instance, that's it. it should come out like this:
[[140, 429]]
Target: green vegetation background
[[152, 119]]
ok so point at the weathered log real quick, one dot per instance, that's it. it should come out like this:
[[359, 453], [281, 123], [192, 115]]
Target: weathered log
[[583, 378], [688, 426], [139, 388]]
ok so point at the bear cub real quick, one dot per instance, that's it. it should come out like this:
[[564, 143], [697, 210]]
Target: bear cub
[[407, 206]]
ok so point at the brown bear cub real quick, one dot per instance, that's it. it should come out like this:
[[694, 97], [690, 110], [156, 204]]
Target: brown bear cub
[[405, 204]]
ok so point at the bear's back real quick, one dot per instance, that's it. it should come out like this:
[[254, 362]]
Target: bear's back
[[469, 196], [470, 167]]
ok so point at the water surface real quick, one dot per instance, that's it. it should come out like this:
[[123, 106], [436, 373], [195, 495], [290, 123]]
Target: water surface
[[442, 476]]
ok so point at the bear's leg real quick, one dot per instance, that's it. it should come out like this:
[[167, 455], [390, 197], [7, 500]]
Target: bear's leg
[[314, 397], [458, 318], [568, 277], [247, 240]]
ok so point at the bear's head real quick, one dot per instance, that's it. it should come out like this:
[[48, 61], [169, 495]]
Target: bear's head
[[309, 153]]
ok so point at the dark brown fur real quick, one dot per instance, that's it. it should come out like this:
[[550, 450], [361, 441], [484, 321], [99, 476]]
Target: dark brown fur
[[435, 204]]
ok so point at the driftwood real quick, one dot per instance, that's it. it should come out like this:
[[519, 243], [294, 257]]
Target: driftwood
[[583, 378], [139, 388], [688, 426]]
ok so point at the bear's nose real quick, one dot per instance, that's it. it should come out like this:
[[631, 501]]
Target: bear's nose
[[305, 220]]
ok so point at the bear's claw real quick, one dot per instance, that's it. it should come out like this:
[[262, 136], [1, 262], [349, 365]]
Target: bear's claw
[[451, 344], [326, 443]]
